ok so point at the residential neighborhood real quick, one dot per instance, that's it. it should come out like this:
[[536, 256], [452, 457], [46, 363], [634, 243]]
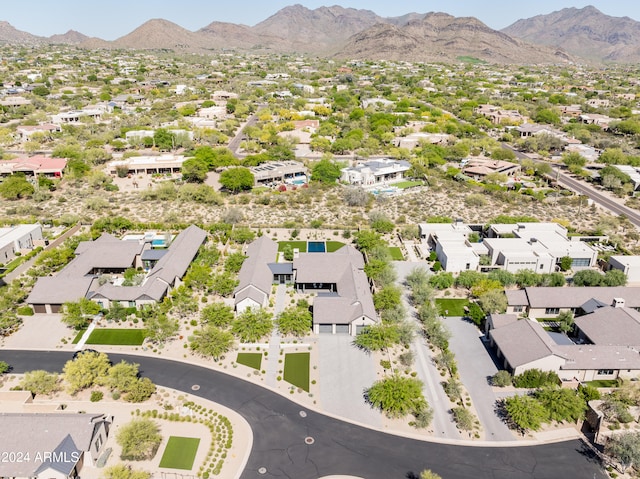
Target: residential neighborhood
[[248, 251]]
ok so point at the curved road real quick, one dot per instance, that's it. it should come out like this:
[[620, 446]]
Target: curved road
[[339, 448]]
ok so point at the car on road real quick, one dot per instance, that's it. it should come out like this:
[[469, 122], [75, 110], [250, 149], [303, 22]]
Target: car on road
[[80, 352]]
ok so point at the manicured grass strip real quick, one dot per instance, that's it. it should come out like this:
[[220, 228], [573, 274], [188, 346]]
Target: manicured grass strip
[[253, 360], [180, 452], [451, 307], [78, 336], [119, 337], [333, 246], [396, 253], [407, 184], [301, 245], [296, 370], [604, 383]]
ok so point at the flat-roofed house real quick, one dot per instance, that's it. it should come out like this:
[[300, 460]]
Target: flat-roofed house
[[376, 172], [53, 445], [19, 239], [629, 265], [34, 166]]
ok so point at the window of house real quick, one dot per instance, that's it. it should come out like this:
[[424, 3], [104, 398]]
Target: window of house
[[518, 309], [581, 262], [552, 311], [605, 372]]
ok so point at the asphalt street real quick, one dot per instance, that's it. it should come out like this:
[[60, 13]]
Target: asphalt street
[[338, 447]]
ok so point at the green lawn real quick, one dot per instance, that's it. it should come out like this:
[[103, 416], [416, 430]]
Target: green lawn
[[451, 307], [253, 360], [296, 370], [604, 383], [119, 337], [78, 336], [333, 246], [407, 184], [180, 452], [396, 253], [301, 245]]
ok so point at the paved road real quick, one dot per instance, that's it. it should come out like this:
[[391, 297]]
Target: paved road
[[234, 144], [339, 448], [596, 196], [475, 366], [585, 189]]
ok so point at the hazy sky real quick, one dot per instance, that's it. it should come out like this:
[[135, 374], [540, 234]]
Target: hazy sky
[[111, 19]]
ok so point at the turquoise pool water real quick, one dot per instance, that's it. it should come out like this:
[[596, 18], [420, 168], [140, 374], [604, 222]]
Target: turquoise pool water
[[316, 247]]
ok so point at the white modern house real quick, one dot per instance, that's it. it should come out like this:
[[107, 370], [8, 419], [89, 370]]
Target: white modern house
[[629, 265], [19, 239], [375, 172]]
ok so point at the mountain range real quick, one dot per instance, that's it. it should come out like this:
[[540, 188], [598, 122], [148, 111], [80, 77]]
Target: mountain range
[[570, 34]]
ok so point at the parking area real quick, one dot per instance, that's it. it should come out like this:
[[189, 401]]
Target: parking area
[[345, 372]]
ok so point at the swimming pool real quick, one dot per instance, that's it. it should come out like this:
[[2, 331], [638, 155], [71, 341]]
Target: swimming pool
[[158, 243], [316, 247], [298, 182]]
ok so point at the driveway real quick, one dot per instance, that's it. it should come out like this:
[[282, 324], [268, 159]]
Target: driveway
[[345, 372], [442, 424], [39, 332], [475, 366]]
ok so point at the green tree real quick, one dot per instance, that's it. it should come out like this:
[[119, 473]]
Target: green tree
[[526, 278], [387, 298], [4, 367], [426, 474], [562, 404], [465, 420], [77, 315], [194, 171], [252, 325], [588, 277], [87, 370], [140, 390], [163, 139], [535, 378], [15, 187], [223, 284], [325, 171], [40, 382], [397, 396], [442, 280], [367, 240], [565, 263], [139, 440], [525, 412], [493, 301], [217, 314], [624, 448], [502, 379], [161, 328], [295, 321], [614, 277], [506, 278], [468, 279], [211, 341], [122, 376], [123, 471], [242, 235], [378, 337], [565, 321], [574, 159], [237, 179], [234, 262]]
